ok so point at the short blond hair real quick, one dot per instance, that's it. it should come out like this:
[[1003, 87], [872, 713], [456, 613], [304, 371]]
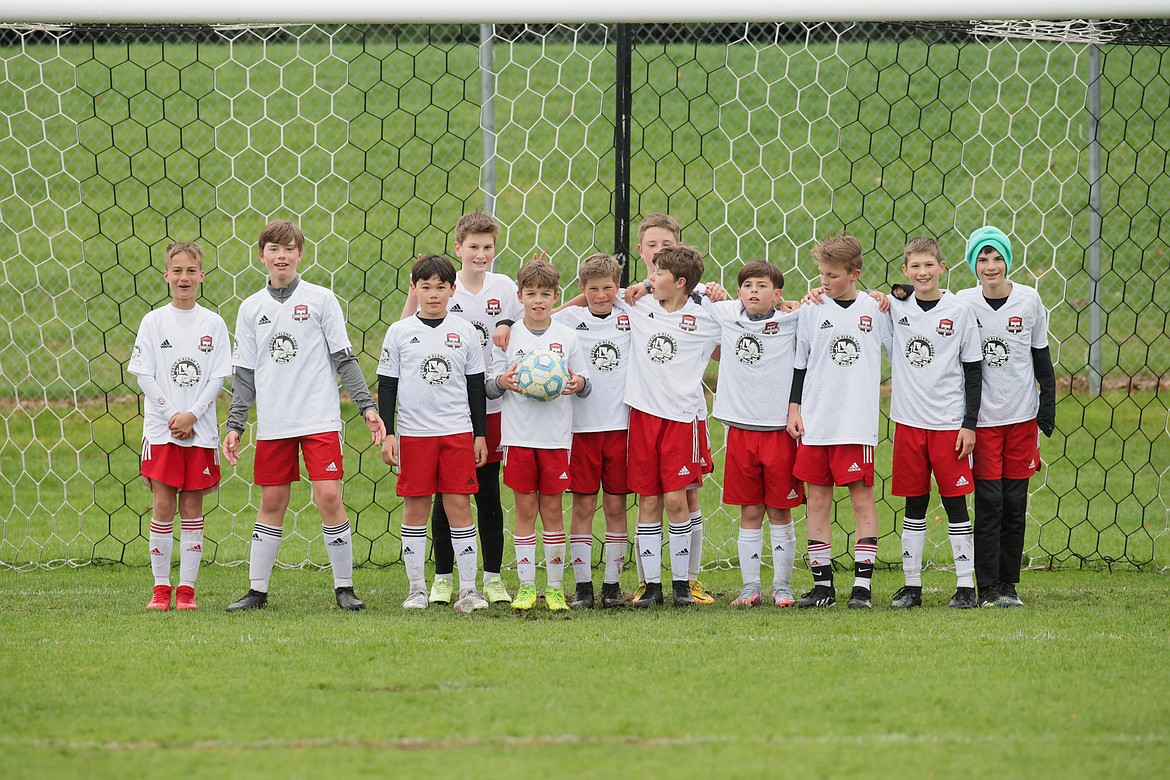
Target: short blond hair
[[842, 250], [538, 274], [660, 220], [182, 247], [599, 266], [282, 232], [922, 245], [475, 222]]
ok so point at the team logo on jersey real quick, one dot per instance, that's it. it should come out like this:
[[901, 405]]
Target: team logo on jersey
[[136, 353], [483, 333], [605, 356], [1015, 325], [556, 349], [385, 359], [945, 328], [493, 306], [865, 323], [205, 344], [300, 312], [282, 348], [996, 351], [185, 372], [844, 350], [771, 328], [688, 323], [748, 349], [623, 322], [661, 348], [919, 352], [435, 369], [453, 341]]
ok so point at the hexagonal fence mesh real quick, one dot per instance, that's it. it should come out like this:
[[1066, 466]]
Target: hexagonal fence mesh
[[759, 138]]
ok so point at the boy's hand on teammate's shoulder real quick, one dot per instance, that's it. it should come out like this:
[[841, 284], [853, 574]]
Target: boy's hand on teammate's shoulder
[[795, 422], [501, 335], [231, 448], [716, 292], [376, 426], [481, 451], [901, 291], [507, 380], [574, 384], [635, 291], [788, 306], [815, 295], [964, 443], [882, 300], [390, 450]]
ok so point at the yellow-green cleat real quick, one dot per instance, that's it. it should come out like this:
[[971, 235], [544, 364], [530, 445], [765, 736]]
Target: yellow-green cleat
[[495, 592], [525, 597], [639, 592], [700, 594], [554, 599], [441, 591]]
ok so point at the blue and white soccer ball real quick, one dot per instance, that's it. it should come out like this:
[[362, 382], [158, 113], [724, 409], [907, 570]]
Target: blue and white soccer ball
[[542, 375]]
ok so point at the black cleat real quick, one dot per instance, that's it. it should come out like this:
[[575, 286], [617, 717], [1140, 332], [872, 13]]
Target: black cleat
[[346, 599], [964, 598], [909, 596], [253, 599], [652, 597], [820, 597], [584, 597], [1007, 595], [611, 595], [860, 598], [682, 593], [988, 596]]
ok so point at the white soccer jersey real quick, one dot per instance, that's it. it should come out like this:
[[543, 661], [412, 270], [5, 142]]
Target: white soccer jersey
[[495, 301], [1010, 393], [289, 345], [432, 365], [669, 353], [927, 352], [541, 425], [841, 349], [755, 366], [184, 352], [605, 342]]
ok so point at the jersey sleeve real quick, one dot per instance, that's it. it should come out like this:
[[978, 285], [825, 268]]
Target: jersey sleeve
[[221, 360], [511, 309], [333, 325], [389, 360], [244, 355], [475, 361], [885, 324], [142, 356], [577, 360], [803, 337], [1040, 332], [499, 363], [971, 348]]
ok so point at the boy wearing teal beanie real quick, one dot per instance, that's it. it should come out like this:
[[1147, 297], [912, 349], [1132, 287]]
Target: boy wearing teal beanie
[[1018, 401]]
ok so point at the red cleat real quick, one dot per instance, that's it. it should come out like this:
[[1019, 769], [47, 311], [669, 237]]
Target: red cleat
[[185, 598], [161, 600]]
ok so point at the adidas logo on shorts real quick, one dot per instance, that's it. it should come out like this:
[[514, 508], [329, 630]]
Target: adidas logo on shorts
[[684, 472], [961, 482], [582, 326], [332, 466], [792, 495], [826, 325], [563, 475], [207, 471], [1032, 463], [854, 468]]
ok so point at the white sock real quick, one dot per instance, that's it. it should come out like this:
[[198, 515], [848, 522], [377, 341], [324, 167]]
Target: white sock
[[696, 563], [581, 553], [680, 551], [190, 550], [339, 546], [963, 546], [162, 540], [265, 548], [526, 559], [554, 557], [414, 555], [615, 556], [751, 550], [650, 551], [783, 539], [913, 541], [466, 555]]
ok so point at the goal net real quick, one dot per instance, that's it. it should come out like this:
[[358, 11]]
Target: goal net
[[759, 138]]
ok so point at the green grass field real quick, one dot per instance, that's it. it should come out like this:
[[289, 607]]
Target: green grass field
[[1071, 686]]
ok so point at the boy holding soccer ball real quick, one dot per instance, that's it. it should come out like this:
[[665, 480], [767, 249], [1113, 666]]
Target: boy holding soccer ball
[[537, 434], [181, 357]]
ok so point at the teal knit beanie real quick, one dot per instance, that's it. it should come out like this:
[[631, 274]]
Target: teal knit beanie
[[992, 237]]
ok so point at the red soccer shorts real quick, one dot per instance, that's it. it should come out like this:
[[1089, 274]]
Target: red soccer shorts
[[1007, 451], [918, 452], [706, 462], [529, 470], [276, 459], [834, 464], [598, 460], [495, 449], [184, 468], [665, 454], [758, 469], [436, 464]]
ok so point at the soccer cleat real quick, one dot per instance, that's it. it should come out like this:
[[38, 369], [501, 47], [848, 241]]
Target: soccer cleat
[[782, 595], [638, 593], [495, 592], [416, 599], [1007, 596], [749, 596], [253, 599], [441, 591], [161, 600], [611, 595], [470, 600], [819, 597], [554, 599], [347, 599], [681, 589], [860, 598], [987, 596], [584, 596], [700, 594], [964, 598], [525, 597], [907, 597], [651, 596], [185, 598]]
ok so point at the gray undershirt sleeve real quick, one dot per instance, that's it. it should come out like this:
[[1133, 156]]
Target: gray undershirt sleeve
[[352, 380], [243, 397]]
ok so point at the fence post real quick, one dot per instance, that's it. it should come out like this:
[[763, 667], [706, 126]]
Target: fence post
[[1093, 103], [487, 116], [623, 119]]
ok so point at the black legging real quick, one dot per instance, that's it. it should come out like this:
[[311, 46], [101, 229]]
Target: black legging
[[489, 519], [1001, 510]]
